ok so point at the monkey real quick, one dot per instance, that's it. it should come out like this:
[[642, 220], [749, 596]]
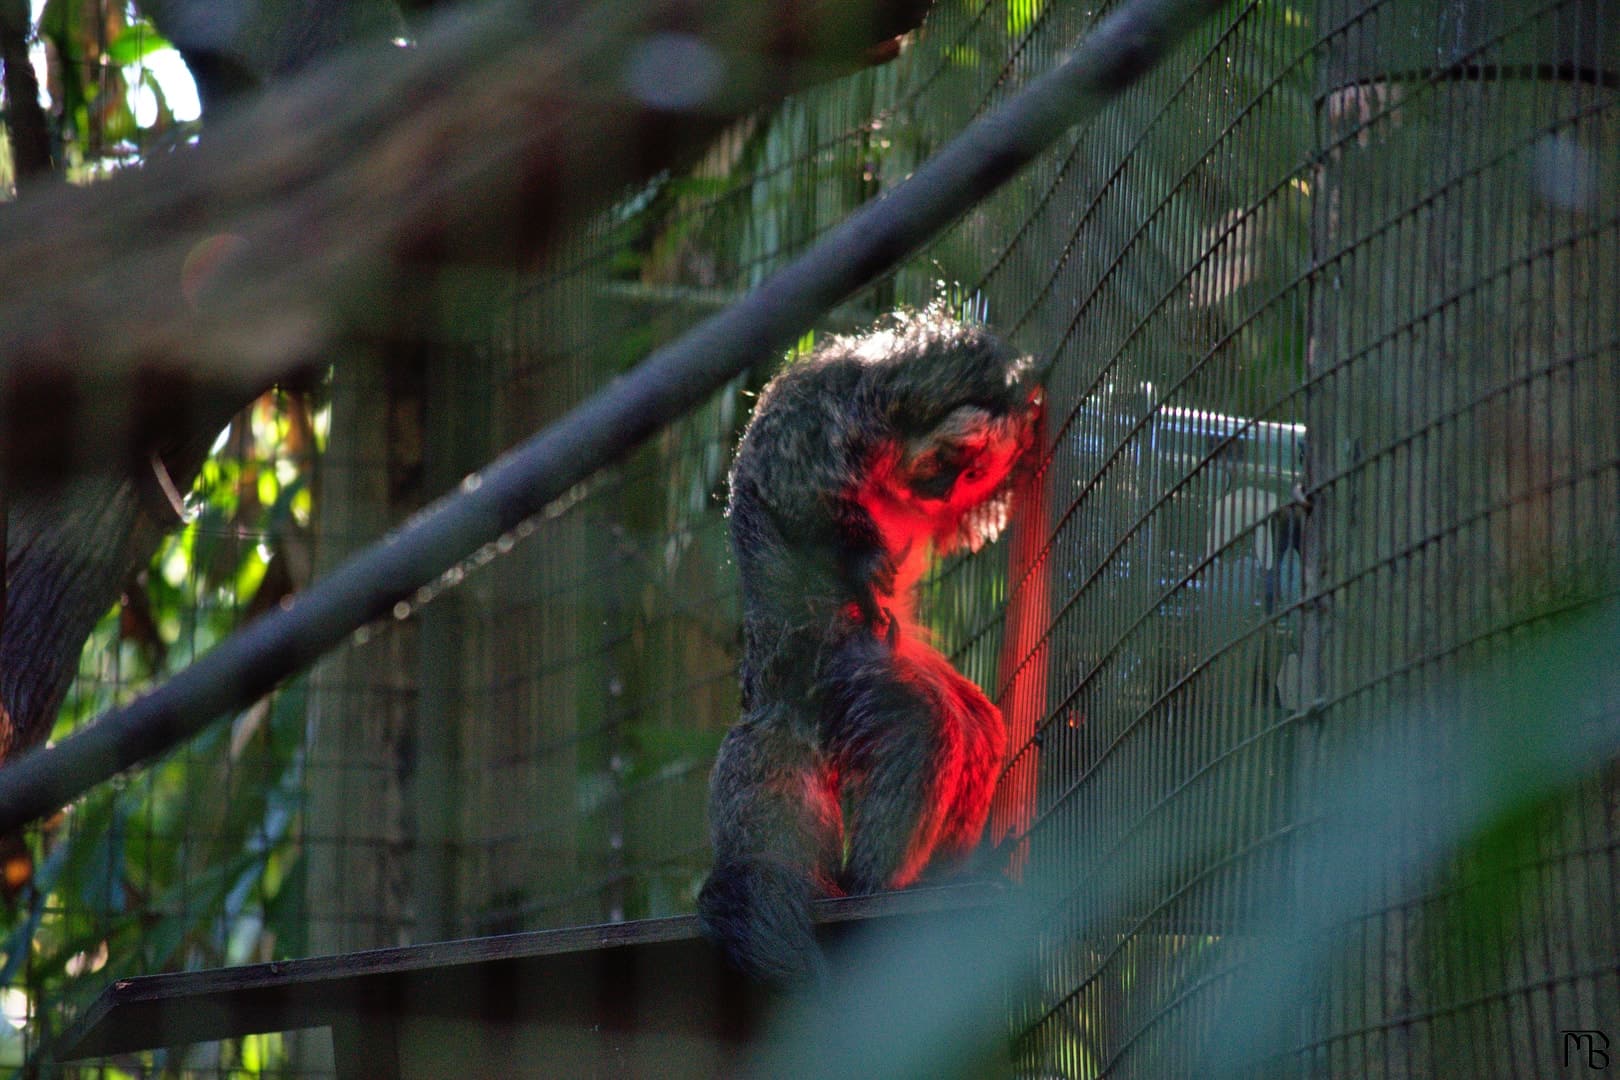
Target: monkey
[[862, 759]]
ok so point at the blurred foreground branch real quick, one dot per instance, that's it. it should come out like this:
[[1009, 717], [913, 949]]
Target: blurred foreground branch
[[138, 315], [138, 309]]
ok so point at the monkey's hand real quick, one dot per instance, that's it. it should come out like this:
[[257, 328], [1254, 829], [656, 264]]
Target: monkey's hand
[[982, 524]]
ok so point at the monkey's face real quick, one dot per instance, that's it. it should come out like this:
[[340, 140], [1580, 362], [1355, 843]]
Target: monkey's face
[[954, 482]]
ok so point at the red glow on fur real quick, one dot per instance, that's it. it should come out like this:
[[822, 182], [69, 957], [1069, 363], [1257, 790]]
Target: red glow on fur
[[981, 452], [907, 530], [971, 738], [972, 743]]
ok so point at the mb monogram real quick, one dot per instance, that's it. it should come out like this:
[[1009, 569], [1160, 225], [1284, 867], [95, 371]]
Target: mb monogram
[[1585, 1048]]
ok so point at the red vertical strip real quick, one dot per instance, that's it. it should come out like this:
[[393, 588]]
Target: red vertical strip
[[1021, 671]]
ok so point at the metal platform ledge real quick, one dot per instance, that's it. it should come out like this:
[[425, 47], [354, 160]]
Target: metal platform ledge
[[622, 999]]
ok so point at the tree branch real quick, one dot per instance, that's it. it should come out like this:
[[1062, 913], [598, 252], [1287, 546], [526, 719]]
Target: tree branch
[[230, 57], [30, 138], [457, 160]]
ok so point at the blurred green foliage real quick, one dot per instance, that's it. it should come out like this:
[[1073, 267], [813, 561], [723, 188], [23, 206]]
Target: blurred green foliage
[[95, 60]]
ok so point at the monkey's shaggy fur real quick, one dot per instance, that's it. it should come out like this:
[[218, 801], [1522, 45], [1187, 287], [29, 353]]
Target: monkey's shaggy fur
[[862, 758]]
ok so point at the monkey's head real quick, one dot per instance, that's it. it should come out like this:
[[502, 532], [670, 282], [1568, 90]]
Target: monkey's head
[[960, 409], [953, 484], [961, 474], [920, 422]]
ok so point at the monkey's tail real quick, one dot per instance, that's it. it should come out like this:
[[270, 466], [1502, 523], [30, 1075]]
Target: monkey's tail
[[777, 835], [758, 912]]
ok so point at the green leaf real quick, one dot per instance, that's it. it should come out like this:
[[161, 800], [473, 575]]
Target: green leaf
[[135, 43], [1022, 15]]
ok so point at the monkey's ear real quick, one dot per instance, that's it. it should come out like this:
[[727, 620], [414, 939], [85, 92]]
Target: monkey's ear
[[963, 426]]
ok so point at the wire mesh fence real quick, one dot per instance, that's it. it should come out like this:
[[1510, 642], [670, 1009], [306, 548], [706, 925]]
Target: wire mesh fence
[[595, 667], [1340, 437], [1326, 310]]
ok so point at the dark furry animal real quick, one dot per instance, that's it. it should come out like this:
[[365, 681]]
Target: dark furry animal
[[862, 759]]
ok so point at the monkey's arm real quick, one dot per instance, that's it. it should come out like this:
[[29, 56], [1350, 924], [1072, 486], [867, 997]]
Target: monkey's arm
[[916, 748]]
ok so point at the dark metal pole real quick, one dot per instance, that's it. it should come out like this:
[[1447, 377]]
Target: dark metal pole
[[519, 484]]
